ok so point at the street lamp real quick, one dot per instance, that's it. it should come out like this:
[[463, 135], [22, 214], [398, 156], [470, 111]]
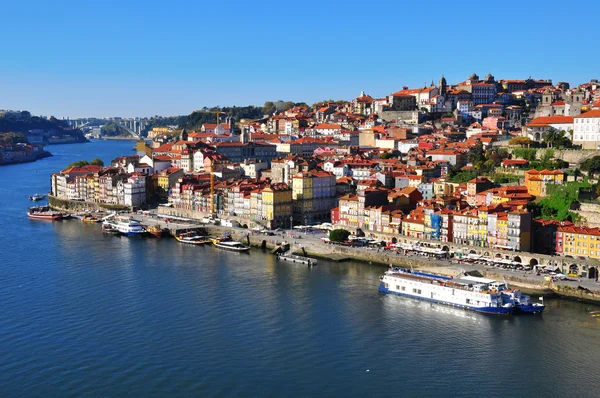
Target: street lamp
[[291, 222]]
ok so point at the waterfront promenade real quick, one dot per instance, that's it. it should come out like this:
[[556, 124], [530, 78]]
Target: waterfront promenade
[[315, 246]]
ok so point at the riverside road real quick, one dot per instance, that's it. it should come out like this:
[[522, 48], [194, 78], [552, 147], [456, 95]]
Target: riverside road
[[312, 243]]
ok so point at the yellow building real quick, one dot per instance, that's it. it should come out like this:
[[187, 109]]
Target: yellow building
[[277, 205], [414, 226], [578, 241], [473, 231], [167, 179], [142, 147], [536, 181]]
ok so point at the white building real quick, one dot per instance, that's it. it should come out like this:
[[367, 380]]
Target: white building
[[537, 128], [327, 129], [134, 190], [586, 130], [406, 146]]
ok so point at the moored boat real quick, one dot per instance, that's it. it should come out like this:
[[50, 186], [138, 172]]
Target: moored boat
[[231, 246], [90, 219], [191, 239], [130, 227], [470, 293], [44, 213], [109, 228], [292, 258], [36, 197], [156, 231]]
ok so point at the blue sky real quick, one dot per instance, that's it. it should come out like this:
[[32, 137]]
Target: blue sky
[[141, 58]]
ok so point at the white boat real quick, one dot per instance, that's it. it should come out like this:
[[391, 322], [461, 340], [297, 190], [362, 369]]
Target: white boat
[[467, 293], [130, 228], [232, 246], [36, 197], [292, 258]]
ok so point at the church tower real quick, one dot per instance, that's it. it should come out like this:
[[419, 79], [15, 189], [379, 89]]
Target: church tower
[[547, 98], [184, 135], [443, 85]]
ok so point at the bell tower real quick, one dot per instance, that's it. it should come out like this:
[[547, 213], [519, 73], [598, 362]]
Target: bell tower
[[443, 85]]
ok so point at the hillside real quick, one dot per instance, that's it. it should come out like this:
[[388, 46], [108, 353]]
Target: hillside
[[24, 123]]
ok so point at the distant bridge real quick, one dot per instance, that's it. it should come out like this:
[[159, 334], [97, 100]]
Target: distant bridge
[[133, 126]]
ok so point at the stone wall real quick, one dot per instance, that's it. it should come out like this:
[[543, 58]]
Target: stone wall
[[572, 156], [590, 214], [411, 117], [197, 215], [74, 206]]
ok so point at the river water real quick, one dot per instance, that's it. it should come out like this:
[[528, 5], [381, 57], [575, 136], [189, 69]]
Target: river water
[[89, 314]]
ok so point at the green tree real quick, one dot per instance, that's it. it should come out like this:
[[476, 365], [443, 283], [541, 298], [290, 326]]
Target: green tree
[[476, 154], [269, 108], [78, 163], [525, 153], [557, 139], [339, 235], [97, 162], [591, 165]]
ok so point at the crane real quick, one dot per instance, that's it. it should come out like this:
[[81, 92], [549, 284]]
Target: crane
[[212, 193], [218, 113]]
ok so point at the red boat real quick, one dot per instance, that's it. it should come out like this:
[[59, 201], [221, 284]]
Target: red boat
[[44, 213]]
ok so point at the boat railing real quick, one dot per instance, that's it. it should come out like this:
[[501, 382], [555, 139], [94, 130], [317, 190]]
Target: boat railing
[[443, 283]]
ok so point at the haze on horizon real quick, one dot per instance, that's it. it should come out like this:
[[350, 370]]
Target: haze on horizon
[[73, 59]]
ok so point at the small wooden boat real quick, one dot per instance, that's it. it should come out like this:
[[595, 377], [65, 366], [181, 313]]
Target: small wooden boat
[[90, 219], [156, 231], [44, 213], [231, 246], [191, 239], [110, 229]]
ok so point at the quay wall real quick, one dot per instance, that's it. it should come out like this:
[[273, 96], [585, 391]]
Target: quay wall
[[77, 205]]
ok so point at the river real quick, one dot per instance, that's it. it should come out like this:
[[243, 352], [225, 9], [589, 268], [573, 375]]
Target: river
[[89, 314]]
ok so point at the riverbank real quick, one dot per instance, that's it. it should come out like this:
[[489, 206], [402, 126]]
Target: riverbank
[[27, 159], [581, 290], [58, 141], [118, 138], [312, 246]]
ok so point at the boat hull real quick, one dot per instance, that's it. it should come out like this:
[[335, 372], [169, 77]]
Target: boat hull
[[191, 241], [529, 309], [132, 233], [53, 217], [233, 249], [304, 261], [483, 310]]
